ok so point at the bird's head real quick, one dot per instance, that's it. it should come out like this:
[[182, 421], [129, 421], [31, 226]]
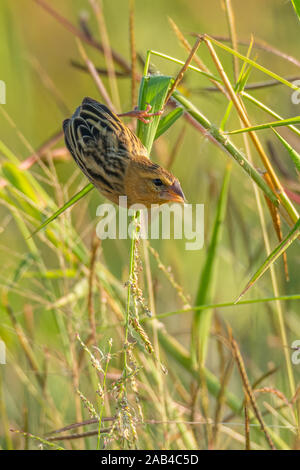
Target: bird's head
[[148, 183]]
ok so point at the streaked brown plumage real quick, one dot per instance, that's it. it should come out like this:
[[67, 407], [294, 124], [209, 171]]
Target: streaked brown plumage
[[114, 159]]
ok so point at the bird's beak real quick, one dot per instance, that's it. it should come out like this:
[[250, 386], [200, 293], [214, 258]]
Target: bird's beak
[[175, 193]]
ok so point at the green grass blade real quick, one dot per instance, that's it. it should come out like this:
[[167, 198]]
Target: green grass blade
[[278, 251], [293, 154], [239, 86], [219, 305], [167, 121], [268, 110], [190, 67], [252, 62], [19, 179], [296, 5], [8, 153], [283, 122], [26, 194], [227, 146], [68, 204], [52, 274], [202, 318], [153, 91], [22, 267]]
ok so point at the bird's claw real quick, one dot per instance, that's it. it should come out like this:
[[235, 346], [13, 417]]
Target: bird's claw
[[142, 114]]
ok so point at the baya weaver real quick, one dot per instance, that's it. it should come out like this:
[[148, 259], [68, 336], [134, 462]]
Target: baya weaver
[[114, 159]]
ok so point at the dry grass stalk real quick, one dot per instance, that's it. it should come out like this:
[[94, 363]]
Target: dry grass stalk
[[81, 35], [184, 68], [277, 224], [133, 54], [107, 52], [92, 69], [23, 340], [221, 400], [247, 427], [233, 36], [196, 59], [91, 311], [170, 276], [247, 387]]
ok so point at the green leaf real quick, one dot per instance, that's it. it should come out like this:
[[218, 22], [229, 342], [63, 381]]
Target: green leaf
[[153, 91], [202, 319], [296, 5], [294, 155], [167, 121], [279, 250], [283, 122], [68, 204]]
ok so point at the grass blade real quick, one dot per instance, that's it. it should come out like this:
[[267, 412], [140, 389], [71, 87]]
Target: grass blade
[[294, 155], [296, 5], [167, 121], [19, 180], [68, 204], [252, 62], [219, 305], [202, 319], [191, 67], [22, 188], [153, 91], [268, 125], [265, 108], [278, 251]]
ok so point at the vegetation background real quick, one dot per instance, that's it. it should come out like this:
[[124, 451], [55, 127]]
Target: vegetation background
[[54, 283]]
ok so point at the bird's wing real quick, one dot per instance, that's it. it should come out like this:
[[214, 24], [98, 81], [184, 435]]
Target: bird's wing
[[101, 144], [105, 126]]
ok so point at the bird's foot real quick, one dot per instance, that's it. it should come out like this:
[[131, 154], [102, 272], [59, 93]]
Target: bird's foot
[[142, 114]]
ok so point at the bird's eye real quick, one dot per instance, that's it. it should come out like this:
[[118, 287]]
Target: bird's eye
[[157, 182]]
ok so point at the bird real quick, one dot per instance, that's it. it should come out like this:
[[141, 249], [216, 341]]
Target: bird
[[114, 159]]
